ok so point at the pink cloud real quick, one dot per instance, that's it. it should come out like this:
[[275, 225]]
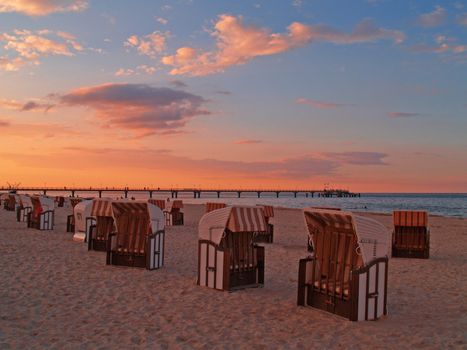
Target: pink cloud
[[318, 104], [434, 18], [150, 45], [247, 142], [237, 44], [403, 114], [25, 107], [29, 47], [144, 109], [42, 7], [358, 158]]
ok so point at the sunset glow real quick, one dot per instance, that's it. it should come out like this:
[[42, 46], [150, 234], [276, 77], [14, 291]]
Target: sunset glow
[[292, 94]]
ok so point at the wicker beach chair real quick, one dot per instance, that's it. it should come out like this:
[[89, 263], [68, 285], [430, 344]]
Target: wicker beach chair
[[268, 216], [160, 203], [102, 226], [60, 200], [348, 272], [70, 221], [42, 215], [411, 235], [309, 242], [139, 237], [25, 207], [210, 206], [228, 258], [82, 220]]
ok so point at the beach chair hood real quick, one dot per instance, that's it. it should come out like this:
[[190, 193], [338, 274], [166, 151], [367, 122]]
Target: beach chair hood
[[373, 238], [25, 200], [236, 219], [102, 207], [81, 211]]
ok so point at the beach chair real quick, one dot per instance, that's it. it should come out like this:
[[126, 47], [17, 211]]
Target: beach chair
[[42, 215], [70, 220], [348, 272], [60, 200], [101, 224], [268, 215], [24, 208], [139, 237], [173, 213], [411, 236], [228, 258], [82, 220], [210, 206], [160, 203], [10, 203], [309, 242]]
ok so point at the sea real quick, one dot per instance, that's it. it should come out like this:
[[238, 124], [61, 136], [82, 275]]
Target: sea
[[445, 204]]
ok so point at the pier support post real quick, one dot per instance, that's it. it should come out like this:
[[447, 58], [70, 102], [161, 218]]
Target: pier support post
[[45, 192], [295, 194], [239, 193], [100, 194], [306, 195], [277, 194], [72, 193], [218, 194], [150, 194], [126, 193], [259, 194]]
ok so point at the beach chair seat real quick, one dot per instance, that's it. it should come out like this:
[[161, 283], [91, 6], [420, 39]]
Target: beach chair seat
[[348, 271], [411, 235], [102, 226], [139, 237], [228, 257], [42, 215]]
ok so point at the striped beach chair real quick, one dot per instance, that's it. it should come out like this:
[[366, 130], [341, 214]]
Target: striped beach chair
[[101, 224], [42, 215], [160, 203], [139, 237], [174, 213], [228, 258], [10, 202], [411, 235], [268, 215], [348, 272], [210, 206]]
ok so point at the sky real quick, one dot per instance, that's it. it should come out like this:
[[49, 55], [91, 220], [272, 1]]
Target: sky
[[368, 95]]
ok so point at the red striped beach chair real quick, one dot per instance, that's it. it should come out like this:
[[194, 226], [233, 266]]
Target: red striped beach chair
[[42, 215], [268, 215], [310, 243], [23, 210], [139, 237], [210, 206], [102, 226], [347, 274], [411, 235], [228, 258], [160, 203], [70, 221], [10, 202]]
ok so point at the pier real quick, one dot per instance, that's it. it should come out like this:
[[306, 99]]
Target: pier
[[194, 192]]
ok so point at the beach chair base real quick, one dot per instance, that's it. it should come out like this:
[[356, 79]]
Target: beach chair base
[[45, 221], [214, 269], [22, 214], [411, 253], [365, 298], [99, 245], [152, 259]]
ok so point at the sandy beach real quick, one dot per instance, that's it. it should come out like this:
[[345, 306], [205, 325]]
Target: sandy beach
[[56, 294]]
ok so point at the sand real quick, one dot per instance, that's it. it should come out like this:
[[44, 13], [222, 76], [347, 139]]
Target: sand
[[56, 294]]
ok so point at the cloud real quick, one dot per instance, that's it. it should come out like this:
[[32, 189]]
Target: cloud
[[4, 123], [150, 45], [237, 44], [442, 44], [178, 84], [161, 20], [141, 108], [42, 7], [29, 47], [462, 19], [223, 92], [319, 104], [433, 19], [247, 142], [403, 114], [122, 72], [25, 107], [358, 158]]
